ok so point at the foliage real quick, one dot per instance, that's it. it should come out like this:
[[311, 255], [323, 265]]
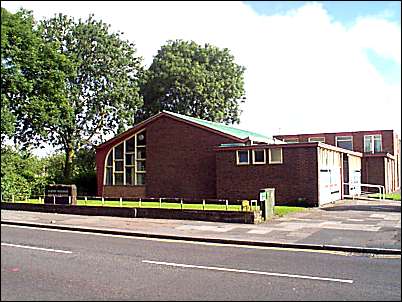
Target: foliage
[[103, 91], [54, 167], [32, 73], [81, 79], [22, 174], [83, 173], [29, 74], [187, 78]]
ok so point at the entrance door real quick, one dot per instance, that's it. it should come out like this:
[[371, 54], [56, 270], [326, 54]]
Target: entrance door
[[330, 185]]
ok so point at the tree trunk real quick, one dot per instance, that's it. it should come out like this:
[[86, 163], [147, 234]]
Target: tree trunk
[[68, 166]]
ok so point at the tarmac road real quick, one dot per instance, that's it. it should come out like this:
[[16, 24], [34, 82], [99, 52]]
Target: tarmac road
[[46, 264]]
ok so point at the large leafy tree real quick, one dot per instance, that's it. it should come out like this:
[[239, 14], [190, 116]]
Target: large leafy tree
[[32, 73], [99, 93], [103, 92], [200, 81]]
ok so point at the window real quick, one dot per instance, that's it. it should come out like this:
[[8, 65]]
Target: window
[[242, 157], [275, 156], [345, 142], [125, 164], [118, 174], [109, 169], [316, 139], [373, 143], [291, 140], [259, 157]]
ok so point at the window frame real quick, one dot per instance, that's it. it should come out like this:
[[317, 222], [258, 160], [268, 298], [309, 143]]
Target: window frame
[[344, 140], [133, 165], [322, 139], [372, 140], [259, 162], [270, 156], [237, 157], [291, 140]]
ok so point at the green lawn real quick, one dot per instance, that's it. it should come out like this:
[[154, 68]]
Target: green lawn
[[283, 210], [392, 196], [278, 210]]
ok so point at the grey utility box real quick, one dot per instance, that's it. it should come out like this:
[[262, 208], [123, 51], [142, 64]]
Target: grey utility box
[[267, 202]]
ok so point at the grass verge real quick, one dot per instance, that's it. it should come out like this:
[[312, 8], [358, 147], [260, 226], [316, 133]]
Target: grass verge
[[392, 196], [278, 210]]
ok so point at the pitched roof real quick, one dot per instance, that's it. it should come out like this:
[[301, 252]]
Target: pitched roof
[[232, 132], [242, 134]]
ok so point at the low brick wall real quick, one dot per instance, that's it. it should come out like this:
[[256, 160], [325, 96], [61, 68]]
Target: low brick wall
[[216, 216]]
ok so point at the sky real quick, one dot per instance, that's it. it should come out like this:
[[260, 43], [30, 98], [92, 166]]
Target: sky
[[311, 67]]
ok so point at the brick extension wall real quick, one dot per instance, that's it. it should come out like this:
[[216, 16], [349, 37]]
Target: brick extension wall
[[373, 169], [296, 177], [388, 139]]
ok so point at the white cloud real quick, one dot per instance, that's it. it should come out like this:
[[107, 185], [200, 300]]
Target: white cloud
[[305, 71]]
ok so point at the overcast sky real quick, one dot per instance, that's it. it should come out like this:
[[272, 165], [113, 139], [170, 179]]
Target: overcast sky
[[310, 66]]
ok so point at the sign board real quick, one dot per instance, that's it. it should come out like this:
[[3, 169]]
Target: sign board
[[60, 194]]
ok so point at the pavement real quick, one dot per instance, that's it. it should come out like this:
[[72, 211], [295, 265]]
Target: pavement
[[365, 226]]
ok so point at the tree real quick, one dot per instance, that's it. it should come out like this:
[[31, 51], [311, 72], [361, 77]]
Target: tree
[[83, 173], [22, 174], [99, 93], [187, 78], [32, 72]]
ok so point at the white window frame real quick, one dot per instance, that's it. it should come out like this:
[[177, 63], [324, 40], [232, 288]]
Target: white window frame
[[291, 140], [314, 139], [134, 165], [259, 162], [237, 157], [106, 167], [114, 165], [270, 156], [343, 139], [372, 136]]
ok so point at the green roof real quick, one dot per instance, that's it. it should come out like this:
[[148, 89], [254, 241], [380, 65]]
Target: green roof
[[242, 134]]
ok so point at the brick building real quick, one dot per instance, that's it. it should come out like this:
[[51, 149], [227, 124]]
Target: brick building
[[172, 155], [381, 162]]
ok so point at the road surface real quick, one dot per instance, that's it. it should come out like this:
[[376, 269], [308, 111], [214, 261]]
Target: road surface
[[46, 264]]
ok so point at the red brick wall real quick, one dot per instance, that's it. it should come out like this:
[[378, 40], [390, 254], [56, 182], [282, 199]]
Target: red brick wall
[[373, 171], [124, 191], [181, 160], [296, 177], [100, 166], [388, 144]]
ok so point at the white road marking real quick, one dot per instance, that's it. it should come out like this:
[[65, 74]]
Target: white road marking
[[247, 271], [288, 249], [36, 248]]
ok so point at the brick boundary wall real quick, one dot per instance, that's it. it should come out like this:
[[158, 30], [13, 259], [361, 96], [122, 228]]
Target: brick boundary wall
[[208, 215]]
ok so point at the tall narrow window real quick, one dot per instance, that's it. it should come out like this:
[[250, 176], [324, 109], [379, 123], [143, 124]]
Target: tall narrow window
[[125, 164], [109, 169], [373, 143], [130, 161], [119, 164], [141, 158]]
